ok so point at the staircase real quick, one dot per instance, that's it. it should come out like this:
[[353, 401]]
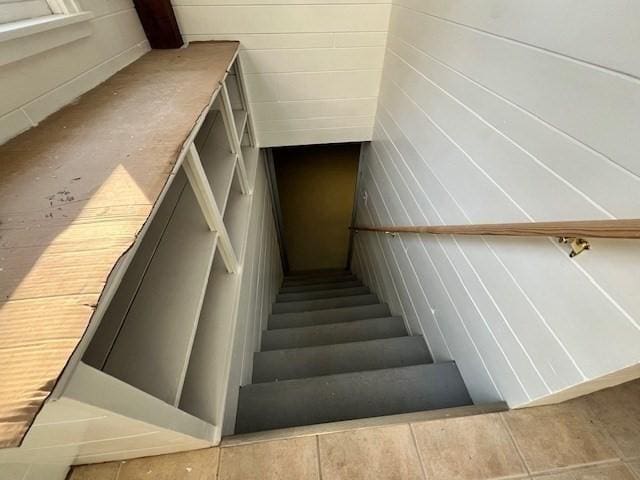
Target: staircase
[[333, 352]]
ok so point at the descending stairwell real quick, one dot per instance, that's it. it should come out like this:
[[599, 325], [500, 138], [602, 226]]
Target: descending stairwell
[[333, 352]]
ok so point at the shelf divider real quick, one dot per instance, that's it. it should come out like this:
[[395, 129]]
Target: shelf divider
[[152, 349]]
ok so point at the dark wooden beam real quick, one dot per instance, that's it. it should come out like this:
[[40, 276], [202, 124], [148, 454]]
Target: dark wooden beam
[[159, 22]]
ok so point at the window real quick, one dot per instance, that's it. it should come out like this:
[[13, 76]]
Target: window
[[28, 27], [15, 10]]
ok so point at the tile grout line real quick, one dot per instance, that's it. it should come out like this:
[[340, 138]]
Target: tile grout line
[[415, 445], [582, 467], [591, 414], [505, 424], [318, 461], [217, 477], [634, 473]]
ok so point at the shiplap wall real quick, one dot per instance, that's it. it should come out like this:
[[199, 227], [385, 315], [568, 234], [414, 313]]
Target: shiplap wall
[[261, 278], [312, 66], [44, 83], [495, 111]]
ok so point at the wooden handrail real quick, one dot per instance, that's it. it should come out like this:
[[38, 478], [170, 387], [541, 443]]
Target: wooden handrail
[[628, 228]]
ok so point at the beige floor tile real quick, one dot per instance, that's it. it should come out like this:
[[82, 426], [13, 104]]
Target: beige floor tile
[[387, 453], [619, 410], [193, 465], [292, 459], [557, 436], [99, 471], [615, 472], [469, 448]]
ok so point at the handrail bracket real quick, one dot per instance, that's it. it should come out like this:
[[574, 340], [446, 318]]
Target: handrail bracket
[[578, 245]]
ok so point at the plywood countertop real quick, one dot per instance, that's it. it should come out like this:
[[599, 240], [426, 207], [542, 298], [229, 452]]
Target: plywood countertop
[[75, 192]]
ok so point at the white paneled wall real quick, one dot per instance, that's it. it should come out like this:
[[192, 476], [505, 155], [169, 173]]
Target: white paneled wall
[[44, 83], [261, 280], [498, 111], [312, 66], [69, 432]]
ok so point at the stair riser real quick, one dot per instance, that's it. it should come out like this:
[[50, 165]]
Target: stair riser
[[340, 292], [318, 274], [321, 286], [325, 303], [355, 331], [349, 396], [314, 281], [323, 317], [342, 358]]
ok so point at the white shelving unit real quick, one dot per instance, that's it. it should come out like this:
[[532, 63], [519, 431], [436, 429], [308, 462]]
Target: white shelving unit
[[165, 335]]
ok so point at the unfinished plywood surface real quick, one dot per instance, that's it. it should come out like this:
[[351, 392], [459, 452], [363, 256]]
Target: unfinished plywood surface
[[74, 194]]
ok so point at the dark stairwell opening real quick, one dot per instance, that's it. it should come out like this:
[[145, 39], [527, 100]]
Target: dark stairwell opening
[[315, 187]]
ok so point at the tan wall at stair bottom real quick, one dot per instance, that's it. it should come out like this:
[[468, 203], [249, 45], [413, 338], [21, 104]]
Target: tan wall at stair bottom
[[316, 186]]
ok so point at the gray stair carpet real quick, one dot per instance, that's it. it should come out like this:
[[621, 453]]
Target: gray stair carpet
[[322, 286], [333, 352], [316, 294]]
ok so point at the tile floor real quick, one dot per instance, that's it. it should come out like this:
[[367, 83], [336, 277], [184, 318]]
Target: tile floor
[[596, 437]]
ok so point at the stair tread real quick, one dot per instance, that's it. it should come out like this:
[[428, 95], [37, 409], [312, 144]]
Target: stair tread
[[318, 294], [331, 315], [352, 331], [322, 286], [346, 396], [339, 358], [324, 303]]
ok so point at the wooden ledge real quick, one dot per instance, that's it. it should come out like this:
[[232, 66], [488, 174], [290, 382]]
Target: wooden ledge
[[75, 193]]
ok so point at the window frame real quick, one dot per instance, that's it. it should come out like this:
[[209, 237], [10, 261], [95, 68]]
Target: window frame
[[24, 38]]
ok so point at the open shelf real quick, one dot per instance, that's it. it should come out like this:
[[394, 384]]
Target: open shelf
[[114, 317], [240, 119], [236, 218], [204, 387], [204, 392], [154, 341], [153, 346], [217, 159], [169, 329], [219, 163]]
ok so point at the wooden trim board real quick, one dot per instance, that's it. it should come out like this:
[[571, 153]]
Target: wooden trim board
[[75, 193]]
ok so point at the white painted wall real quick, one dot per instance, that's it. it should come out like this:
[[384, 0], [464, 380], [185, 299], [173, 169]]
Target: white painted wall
[[41, 84], [261, 279], [70, 432], [312, 66], [498, 111]]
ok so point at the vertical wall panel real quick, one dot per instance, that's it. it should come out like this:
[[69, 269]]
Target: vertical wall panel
[[493, 113]]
